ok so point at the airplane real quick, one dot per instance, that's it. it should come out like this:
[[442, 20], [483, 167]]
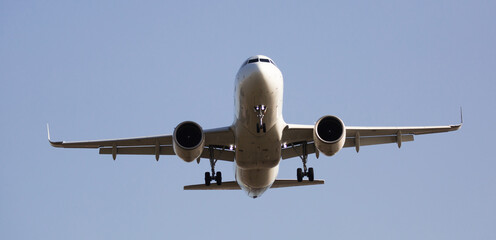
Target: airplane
[[259, 138]]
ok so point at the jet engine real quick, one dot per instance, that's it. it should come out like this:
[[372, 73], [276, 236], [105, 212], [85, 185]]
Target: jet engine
[[188, 141], [329, 135]]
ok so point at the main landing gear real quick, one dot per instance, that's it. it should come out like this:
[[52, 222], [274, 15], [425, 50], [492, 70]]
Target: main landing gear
[[305, 172], [214, 176], [260, 110]]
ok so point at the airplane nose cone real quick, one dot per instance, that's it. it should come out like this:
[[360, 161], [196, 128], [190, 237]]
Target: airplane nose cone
[[253, 71], [260, 74]]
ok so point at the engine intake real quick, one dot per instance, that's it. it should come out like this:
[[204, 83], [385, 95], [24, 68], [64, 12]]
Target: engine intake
[[188, 141], [329, 135]]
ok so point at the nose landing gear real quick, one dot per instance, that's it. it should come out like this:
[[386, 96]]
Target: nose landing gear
[[260, 110], [261, 128]]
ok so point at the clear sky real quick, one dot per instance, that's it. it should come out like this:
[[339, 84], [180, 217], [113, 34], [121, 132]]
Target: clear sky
[[112, 69]]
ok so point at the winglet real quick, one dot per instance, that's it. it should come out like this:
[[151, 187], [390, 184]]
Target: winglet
[[458, 126], [461, 115], [54, 144], [48, 132]]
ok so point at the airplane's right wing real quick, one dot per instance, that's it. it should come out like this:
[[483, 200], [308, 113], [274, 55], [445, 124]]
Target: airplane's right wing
[[217, 143]]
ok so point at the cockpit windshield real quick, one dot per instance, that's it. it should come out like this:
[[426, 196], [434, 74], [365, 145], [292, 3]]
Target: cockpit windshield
[[258, 59]]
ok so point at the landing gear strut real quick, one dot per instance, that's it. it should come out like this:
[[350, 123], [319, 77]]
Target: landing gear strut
[[215, 176], [260, 110], [305, 172]]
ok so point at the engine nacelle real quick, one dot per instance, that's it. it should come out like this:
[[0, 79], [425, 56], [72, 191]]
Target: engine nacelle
[[329, 135], [188, 141]]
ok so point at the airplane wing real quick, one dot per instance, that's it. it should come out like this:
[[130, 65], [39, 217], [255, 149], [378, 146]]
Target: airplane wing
[[217, 140], [298, 137]]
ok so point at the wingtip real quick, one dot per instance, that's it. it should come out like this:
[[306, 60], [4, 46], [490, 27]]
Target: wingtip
[[461, 115], [458, 126], [54, 144], [48, 132]]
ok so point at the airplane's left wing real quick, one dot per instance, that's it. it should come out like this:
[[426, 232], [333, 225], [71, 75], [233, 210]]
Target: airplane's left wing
[[298, 139], [217, 141]]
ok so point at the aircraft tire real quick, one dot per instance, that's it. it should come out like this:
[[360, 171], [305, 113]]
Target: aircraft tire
[[299, 174], [218, 178], [208, 179], [310, 174]]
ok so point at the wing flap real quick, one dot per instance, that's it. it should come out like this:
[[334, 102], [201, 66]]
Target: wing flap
[[366, 141], [164, 150], [382, 131], [224, 155], [219, 154], [296, 150]]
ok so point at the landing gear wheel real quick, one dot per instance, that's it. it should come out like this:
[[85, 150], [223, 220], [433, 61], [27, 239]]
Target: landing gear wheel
[[310, 174], [218, 178], [260, 110], [299, 174], [208, 179]]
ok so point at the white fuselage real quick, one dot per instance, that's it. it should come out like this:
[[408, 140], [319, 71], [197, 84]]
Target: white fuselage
[[258, 153]]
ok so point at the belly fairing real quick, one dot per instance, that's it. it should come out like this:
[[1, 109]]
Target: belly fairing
[[258, 84], [258, 153]]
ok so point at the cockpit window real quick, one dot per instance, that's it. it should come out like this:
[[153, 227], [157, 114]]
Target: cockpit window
[[258, 60]]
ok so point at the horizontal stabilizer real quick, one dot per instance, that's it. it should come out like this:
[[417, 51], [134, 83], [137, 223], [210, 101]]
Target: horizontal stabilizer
[[295, 183], [233, 185]]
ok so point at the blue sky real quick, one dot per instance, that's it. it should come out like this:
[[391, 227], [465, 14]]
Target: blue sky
[[111, 69]]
